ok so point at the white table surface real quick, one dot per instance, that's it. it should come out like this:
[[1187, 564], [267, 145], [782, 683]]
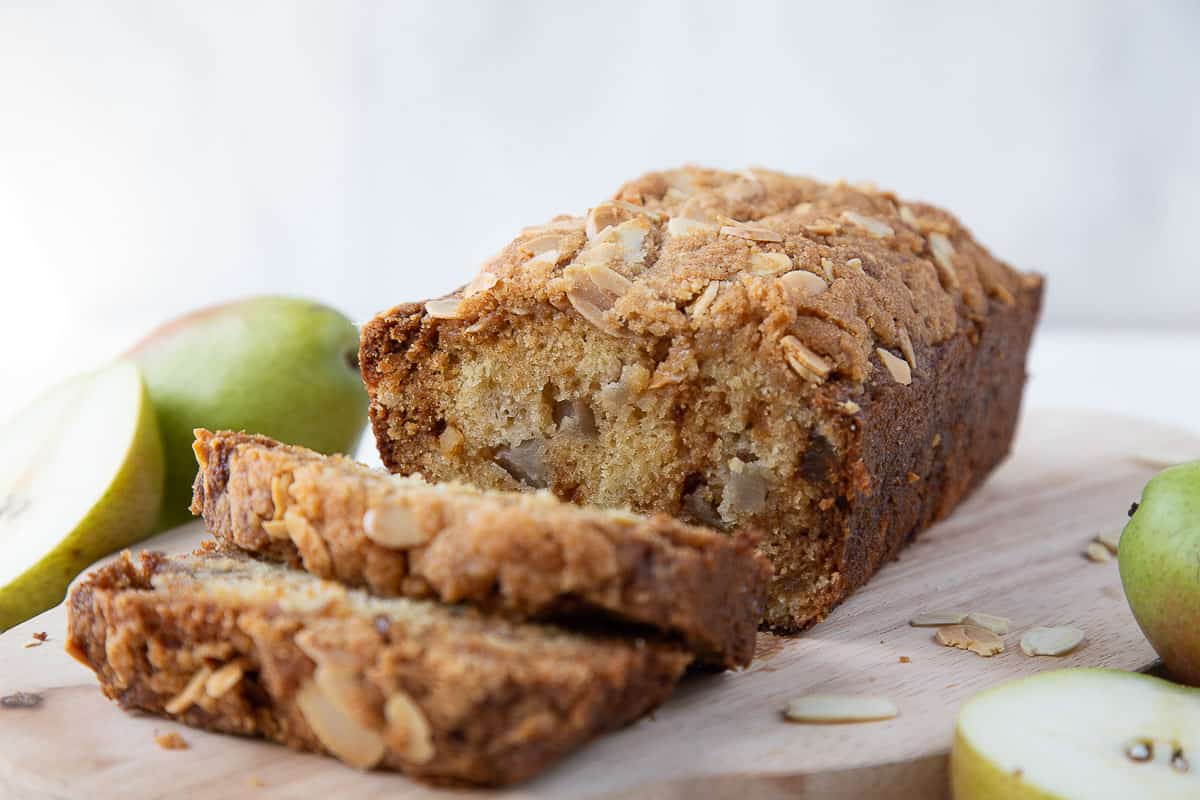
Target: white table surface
[[1154, 375]]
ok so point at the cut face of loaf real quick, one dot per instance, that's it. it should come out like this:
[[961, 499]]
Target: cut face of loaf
[[234, 645], [830, 365], [528, 556]]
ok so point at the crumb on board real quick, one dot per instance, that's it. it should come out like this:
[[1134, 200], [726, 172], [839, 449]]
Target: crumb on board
[[41, 636], [905, 660], [171, 741]]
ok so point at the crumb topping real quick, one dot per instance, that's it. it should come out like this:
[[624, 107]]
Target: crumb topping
[[830, 274]]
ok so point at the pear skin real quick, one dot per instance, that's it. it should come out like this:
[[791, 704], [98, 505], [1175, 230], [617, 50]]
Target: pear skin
[[279, 366], [82, 476], [1159, 558]]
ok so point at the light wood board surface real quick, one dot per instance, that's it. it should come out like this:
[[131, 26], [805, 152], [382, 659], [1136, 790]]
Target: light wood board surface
[[1014, 549]]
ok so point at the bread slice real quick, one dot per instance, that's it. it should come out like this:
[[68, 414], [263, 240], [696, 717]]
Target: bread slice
[[829, 364], [231, 644], [529, 556]]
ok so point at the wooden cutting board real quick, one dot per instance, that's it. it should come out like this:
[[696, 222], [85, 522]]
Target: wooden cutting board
[[1014, 549]]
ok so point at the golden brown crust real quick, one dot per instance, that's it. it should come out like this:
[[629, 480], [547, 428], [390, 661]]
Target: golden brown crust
[[843, 269], [530, 556], [771, 352], [444, 694]]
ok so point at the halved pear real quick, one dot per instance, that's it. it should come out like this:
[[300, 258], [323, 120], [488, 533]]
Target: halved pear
[[81, 475], [1079, 733]]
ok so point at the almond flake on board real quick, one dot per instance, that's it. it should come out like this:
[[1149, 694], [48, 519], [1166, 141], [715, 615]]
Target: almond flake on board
[[839, 708], [1110, 539], [936, 619], [977, 640], [1056, 641], [1097, 552], [997, 625]]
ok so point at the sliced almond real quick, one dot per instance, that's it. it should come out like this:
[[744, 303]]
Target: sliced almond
[[751, 233], [393, 526], [449, 440], [1001, 293], [849, 407], [823, 227], [276, 529], [899, 369], [605, 215], [997, 625], [1111, 540], [838, 708], [313, 551], [906, 348], [408, 730], [770, 263], [190, 694], [447, 308], [635, 210], [224, 679], [342, 735], [827, 268], [590, 311], [876, 227], [943, 257], [631, 236], [682, 226], [1097, 552], [279, 494], [936, 619], [803, 283], [705, 299], [608, 280], [977, 640], [1056, 641], [482, 281], [908, 217], [803, 361], [543, 248]]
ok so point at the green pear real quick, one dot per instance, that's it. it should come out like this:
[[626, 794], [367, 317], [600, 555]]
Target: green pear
[[279, 366], [1091, 734], [1159, 557], [81, 475]]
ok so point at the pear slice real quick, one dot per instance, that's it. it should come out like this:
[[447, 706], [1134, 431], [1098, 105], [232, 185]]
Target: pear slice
[[81, 475], [1079, 733]]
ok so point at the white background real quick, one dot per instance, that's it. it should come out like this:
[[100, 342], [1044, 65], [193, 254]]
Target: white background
[[156, 156]]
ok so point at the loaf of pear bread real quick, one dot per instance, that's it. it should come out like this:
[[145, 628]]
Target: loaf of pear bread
[[829, 364]]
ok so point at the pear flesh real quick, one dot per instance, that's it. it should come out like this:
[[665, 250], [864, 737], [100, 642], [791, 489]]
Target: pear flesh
[[81, 476], [1079, 733]]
